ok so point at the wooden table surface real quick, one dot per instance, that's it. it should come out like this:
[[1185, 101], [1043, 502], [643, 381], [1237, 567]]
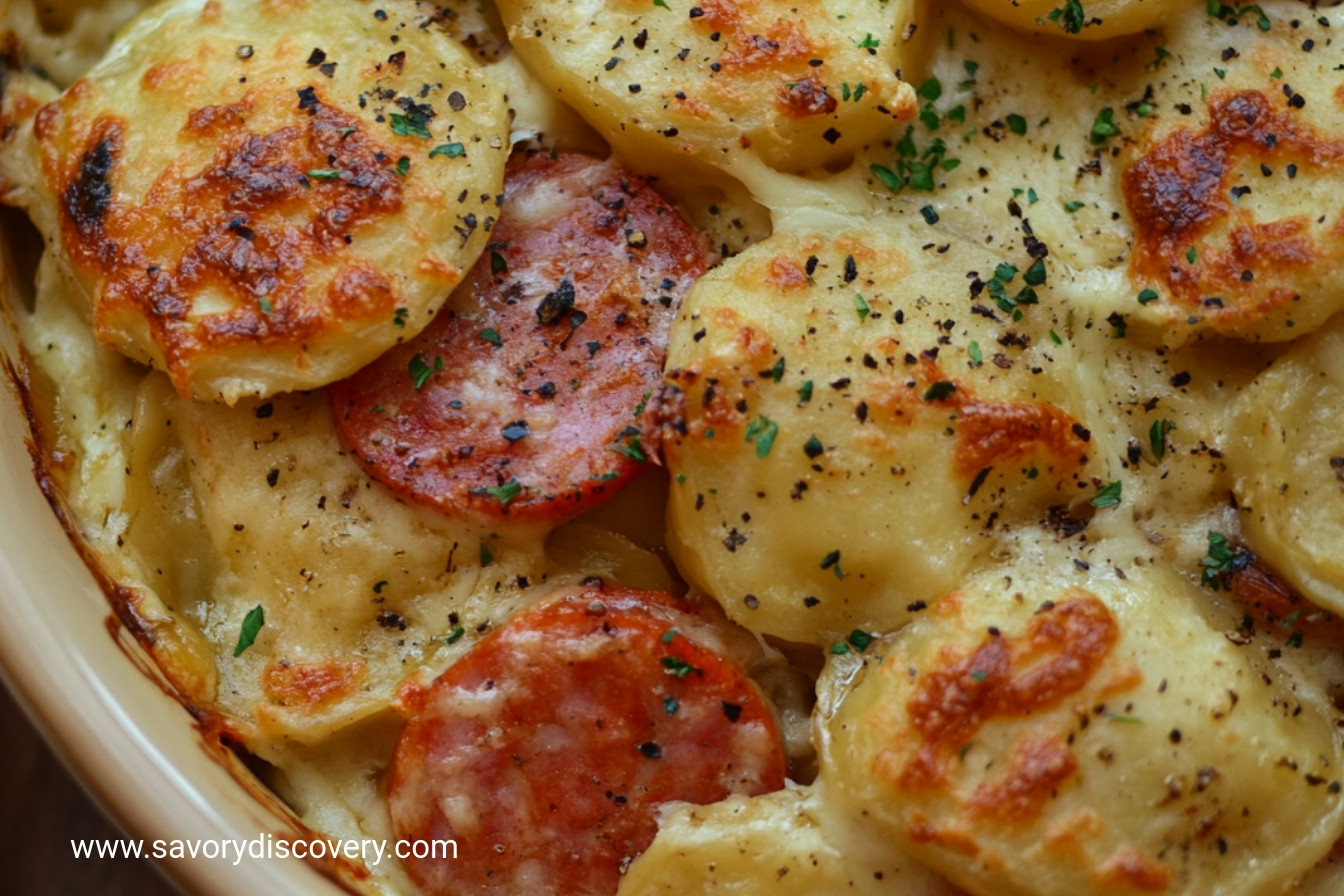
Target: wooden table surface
[[41, 810]]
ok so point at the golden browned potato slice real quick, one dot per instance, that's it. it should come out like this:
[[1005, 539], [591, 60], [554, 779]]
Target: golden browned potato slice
[[1042, 731], [262, 196], [1089, 20], [795, 85], [1286, 449], [856, 418]]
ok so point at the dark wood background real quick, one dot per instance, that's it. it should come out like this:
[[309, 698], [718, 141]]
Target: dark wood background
[[41, 810]]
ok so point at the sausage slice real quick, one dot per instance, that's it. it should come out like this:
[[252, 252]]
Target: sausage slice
[[545, 752]]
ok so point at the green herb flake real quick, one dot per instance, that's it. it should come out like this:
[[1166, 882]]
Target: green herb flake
[[1157, 437], [1035, 275], [1103, 127], [487, 556], [1218, 563], [670, 704], [805, 392], [327, 174], [264, 303], [490, 335], [420, 371], [1055, 338], [404, 166], [839, 648], [1070, 17], [940, 391], [455, 635], [630, 445], [505, 493], [762, 432], [859, 640], [676, 666], [247, 633], [409, 125], [1148, 295], [1109, 496], [1017, 124], [868, 42], [973, 349], [930, 90], [1191, 255], [1073, 206], [861, 306], [497, 263], [448, 150], [399, 318], [1129, 720]]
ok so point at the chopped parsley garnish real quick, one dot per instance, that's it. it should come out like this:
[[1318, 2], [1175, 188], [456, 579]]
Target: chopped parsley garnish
[[247, 633], [630, 445], [762, 432], [805, 392], [1231, 14], [859, 640], [323, 174], [1109, 496], [448, 150], [973, 349], [399, 318], [1103, 127], [487, 555], [264, 303], [1157, 437], [1148, 295], [1218, 563], [1069, 17], [643, 402], [676, 666], [491, 335], [670, 705], [455, 635], [421, 371], [997, 286], [861, 306], [940, 391], [413, 125], [505, 493], [914, 168]]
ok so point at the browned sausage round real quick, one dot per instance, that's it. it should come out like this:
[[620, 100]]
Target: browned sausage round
[[545, 752], [532, 396]]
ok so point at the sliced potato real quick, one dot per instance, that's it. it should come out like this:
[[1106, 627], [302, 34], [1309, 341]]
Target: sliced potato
[[262, 196]]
